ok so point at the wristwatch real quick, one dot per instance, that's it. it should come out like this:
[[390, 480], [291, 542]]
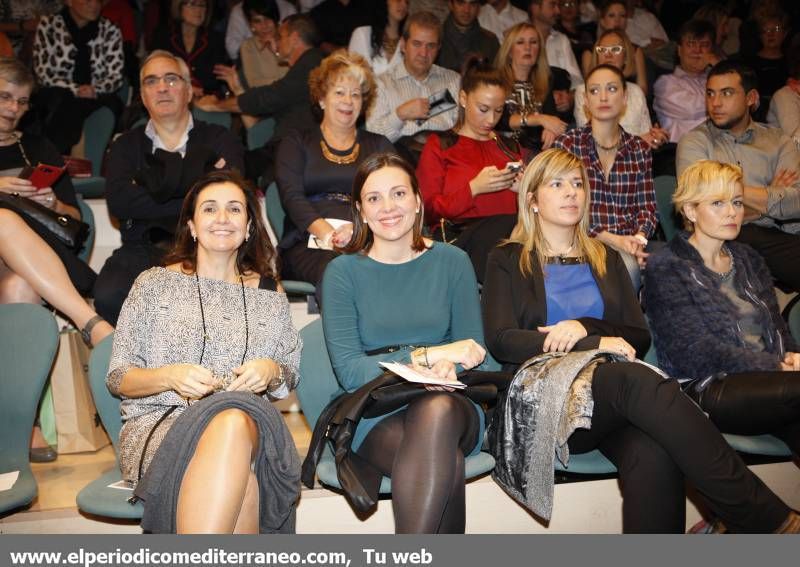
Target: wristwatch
[[277, 383]]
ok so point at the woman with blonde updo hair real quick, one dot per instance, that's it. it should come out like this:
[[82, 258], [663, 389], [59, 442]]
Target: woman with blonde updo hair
[[559, 306], [315, 167], [714, 315]]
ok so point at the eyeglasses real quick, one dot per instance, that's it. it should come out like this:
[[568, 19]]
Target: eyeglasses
[[171, 79], [606, 49], [694, 44], [194, 3], [773, 29], [7, 98], [567, 4]]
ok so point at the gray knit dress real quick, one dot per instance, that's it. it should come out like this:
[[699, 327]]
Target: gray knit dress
[[161, 324]]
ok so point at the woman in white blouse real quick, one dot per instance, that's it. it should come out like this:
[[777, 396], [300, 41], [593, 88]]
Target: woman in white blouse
[[379, 43], [614, 48]]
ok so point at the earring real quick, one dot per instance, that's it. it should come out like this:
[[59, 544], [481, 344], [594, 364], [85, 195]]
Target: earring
[[535, 210], [322, 105], [417, 211]]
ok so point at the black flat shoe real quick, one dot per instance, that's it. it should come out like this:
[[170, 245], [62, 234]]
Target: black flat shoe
[[43, 454]]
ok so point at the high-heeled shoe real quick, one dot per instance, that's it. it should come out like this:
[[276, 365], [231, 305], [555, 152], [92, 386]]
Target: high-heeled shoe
[[46, 454]]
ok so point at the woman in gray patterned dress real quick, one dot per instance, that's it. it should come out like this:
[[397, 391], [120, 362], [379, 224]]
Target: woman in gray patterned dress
[[213, 319]]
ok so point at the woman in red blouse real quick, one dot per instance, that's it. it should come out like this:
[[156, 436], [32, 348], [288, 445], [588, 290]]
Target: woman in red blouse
[[466, 175]]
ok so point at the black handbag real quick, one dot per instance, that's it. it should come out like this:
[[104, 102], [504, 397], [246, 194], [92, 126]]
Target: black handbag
[[71, 232], [337, 423]]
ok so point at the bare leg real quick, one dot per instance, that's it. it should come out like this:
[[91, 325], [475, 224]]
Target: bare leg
[[216, 482], [30, 258], [247, 522]]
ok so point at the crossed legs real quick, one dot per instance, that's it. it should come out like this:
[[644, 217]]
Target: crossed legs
[[219, 492], [30, 270]]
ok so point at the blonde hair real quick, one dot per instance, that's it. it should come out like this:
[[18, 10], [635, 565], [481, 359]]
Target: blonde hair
[[546, 166], [540, 72], [704, 180], [342, 63], [629, 66]]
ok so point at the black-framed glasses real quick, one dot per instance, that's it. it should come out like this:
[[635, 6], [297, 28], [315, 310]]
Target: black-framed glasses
[[171, 79]]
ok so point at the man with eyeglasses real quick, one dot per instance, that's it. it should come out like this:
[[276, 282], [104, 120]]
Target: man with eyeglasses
[[680, 97], [463, 37], [150, 170], [769, 160], [499, 15]]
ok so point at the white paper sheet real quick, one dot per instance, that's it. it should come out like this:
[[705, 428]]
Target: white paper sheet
[[315, 243], [8, 479], [408, 373]]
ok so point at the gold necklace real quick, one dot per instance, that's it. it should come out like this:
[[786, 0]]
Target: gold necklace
[[327, 152]]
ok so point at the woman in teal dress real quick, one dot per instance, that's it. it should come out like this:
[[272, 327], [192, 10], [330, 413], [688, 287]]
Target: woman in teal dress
[[396, 296]]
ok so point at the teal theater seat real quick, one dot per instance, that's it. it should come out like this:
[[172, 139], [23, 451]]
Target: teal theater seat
[[97, 131], [96, 497], [318, 386], [28, 344]]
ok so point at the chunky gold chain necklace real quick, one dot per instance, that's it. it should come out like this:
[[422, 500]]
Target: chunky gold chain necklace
[[346, 159]]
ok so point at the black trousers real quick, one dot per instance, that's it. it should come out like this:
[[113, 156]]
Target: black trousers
[[656, 436], [780, 251], [118, 274], [306, 264], [754, 403], [481, 236]]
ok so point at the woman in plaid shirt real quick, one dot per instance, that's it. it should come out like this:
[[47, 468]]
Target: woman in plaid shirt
[[619, 165]]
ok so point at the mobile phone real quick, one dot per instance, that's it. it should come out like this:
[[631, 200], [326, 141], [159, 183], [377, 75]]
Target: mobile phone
[[514, 166], [42, 175]]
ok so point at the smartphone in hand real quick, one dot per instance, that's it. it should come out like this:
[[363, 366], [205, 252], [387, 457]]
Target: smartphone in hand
[[42, 175]]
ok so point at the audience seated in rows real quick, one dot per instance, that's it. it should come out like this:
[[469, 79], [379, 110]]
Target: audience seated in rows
[[315, 167], [554, 292], [613, 16], [619, 167], [614, 48], [78, 61], [714, 315], [379, 42], [286, 100], [538, 107], [462, 36], [768, 158], [151, 168], [581, 34], [769, 62], [679, 97], [402, 107]]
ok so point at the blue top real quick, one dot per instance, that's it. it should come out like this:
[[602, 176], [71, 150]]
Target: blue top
[[571, 292], [366, 305]]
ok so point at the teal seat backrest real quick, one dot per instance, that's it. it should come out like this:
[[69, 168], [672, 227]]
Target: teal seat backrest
[[260, 133], [28, 345], [221, 118], [665, 186], [87, 216], [318, 385], [106, 404], [794, 321], [97, 128], [275, 213]]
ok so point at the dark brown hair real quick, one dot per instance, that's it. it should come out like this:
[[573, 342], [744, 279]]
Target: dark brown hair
[[362, 238], [256, 254]]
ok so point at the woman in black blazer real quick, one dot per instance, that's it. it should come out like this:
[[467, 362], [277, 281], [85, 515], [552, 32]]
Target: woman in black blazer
[[552, 288]]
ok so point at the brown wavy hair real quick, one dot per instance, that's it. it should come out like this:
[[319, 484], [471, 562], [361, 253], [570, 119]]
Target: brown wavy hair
[[362, 239], [256, 254]]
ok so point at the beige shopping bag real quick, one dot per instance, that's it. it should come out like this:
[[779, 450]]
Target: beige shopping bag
[[77, 423]]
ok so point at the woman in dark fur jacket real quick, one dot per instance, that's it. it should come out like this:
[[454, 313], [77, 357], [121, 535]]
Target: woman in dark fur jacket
[[714, 316]]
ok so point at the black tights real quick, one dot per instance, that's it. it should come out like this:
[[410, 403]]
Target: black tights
[[754, 403], [656, 436], [422, 449]]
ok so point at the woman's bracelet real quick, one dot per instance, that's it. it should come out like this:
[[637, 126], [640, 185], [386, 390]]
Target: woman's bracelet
[[524, 119], [276, 383]]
